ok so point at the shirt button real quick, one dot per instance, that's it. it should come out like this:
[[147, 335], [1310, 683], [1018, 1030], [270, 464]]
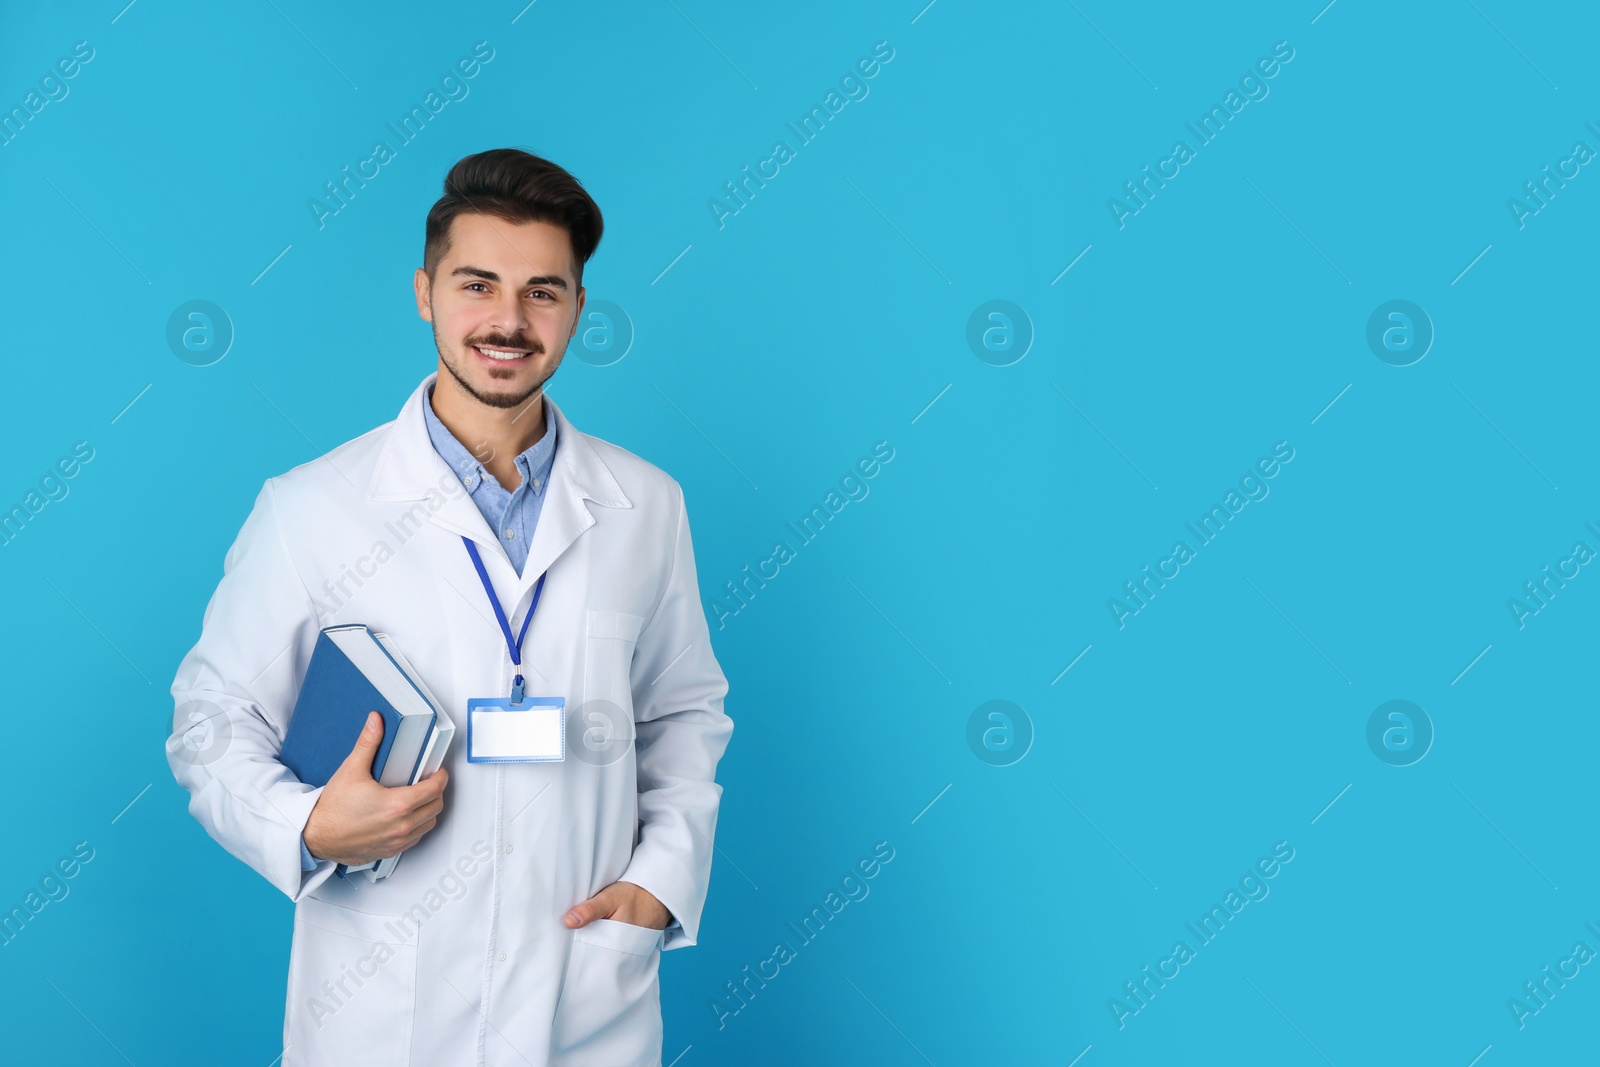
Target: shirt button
[[536, 483], [471, 480], [510, 534]]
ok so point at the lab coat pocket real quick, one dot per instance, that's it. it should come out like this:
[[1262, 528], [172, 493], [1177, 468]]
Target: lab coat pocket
[[352, 987], [610, 1006], [608, 658]]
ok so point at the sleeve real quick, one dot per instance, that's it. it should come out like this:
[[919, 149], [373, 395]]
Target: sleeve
[[681, 732], [234, 694]]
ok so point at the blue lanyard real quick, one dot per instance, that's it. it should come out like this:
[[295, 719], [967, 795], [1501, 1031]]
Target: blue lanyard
[[513, 645]]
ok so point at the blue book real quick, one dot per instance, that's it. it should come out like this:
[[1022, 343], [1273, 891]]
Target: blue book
[[354, 671]]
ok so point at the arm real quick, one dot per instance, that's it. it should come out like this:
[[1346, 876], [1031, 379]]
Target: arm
[[234, 694], [678, 690]]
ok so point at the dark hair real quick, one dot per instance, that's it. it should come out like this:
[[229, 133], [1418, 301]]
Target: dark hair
[[517, 186]]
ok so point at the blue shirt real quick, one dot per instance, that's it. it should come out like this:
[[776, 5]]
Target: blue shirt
[[511, 514]]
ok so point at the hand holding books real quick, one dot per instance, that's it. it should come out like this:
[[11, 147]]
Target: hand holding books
[[382, 797], [357, 821]]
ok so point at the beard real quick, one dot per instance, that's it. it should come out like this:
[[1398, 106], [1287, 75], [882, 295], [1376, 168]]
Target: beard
[[494, 400]]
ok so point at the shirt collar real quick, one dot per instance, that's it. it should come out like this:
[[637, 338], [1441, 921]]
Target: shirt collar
[[534, 463]]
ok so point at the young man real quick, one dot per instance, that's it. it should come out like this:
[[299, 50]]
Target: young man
[[526, 920]]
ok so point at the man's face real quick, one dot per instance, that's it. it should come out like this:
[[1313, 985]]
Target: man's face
[[504, 289]]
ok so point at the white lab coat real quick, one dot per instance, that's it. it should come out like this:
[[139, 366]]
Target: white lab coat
[[461, 957]]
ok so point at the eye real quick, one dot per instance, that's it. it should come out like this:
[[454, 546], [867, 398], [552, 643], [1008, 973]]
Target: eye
[[543, 293], [479, 285]]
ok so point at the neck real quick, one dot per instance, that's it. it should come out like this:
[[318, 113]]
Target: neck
[[495, 436]]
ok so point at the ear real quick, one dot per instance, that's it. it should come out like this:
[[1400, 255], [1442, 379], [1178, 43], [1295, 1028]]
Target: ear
[[424, 288], [578, 317]]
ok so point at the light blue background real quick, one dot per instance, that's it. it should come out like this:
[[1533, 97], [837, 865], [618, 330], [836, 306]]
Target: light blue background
[[826, 316]]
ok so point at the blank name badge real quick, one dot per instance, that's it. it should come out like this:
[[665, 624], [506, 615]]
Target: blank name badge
[[530, 730]]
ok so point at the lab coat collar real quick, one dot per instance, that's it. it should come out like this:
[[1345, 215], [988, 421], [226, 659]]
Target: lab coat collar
[[409, 468]]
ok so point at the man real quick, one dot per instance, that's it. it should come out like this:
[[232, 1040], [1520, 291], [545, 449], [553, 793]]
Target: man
[[526, 919]]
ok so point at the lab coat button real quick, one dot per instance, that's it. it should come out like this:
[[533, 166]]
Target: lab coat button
[[502, 957], [508, 850]]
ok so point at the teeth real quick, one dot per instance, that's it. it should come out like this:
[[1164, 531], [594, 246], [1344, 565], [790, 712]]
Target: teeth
[[500, 353]]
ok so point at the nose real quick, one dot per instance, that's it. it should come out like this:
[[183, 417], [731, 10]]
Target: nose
[[510, 315]]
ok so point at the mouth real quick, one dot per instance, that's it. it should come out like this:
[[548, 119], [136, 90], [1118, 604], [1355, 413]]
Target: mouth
[[502, 356]]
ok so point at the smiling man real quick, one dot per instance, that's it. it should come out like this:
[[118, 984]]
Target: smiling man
[[546, 577]]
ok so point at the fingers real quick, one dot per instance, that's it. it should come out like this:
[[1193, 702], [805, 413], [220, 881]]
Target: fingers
[[405, 833], [396, 817], [586, 913], [409, 821], [417, 834], [360, 759], [599, 906], [427, 791], [430, 810]]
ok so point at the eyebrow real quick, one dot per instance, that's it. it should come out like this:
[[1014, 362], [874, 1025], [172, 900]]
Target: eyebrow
[[554, 280]]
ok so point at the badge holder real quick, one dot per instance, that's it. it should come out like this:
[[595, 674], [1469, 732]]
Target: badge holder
[[518, 728], [506, 730]]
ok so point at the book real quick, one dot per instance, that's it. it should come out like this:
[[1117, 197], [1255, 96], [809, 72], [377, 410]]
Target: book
[[432, 757], [353, 671]]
